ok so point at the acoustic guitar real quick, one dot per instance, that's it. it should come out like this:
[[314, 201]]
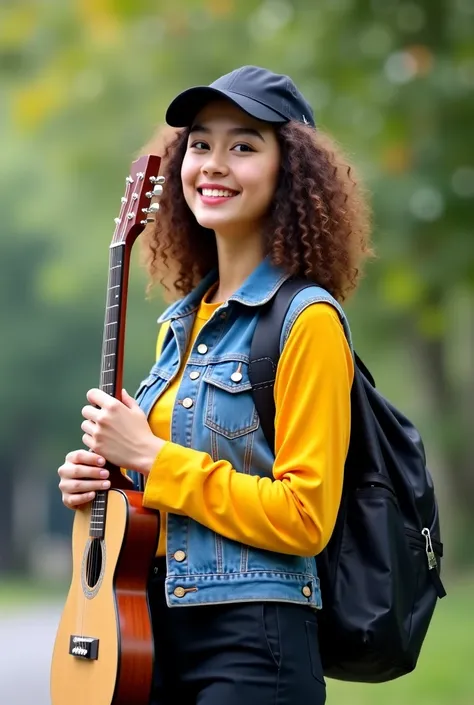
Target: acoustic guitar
[[103, 652]]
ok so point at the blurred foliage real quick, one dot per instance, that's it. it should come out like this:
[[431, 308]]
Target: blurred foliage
[[83, 85]]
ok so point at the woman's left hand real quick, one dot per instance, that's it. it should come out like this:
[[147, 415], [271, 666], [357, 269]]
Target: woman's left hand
[[119, 431]]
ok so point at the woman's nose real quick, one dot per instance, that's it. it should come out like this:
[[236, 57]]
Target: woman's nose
[[214, 165]]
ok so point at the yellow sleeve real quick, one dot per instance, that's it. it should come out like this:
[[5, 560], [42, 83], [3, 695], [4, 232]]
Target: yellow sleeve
[[161, 336], [294, 513]]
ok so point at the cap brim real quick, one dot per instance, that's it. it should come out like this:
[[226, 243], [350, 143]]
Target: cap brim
[[187, 105]]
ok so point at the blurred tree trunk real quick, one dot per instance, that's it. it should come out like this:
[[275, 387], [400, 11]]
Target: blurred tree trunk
[[453, 420], [7, 562]]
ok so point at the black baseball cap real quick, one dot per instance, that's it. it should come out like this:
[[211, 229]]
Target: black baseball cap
[[260, 93]]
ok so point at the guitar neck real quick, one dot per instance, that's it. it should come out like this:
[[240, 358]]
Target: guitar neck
[[131, 221], [111, 368]]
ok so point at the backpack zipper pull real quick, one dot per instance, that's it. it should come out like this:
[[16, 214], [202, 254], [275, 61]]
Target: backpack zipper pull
[[433, 564]]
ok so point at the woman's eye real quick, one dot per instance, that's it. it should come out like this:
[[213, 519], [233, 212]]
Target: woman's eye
[[243, 148], [199, 144]]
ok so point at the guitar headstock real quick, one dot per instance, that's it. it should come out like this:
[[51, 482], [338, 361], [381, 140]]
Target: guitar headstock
[[136, 210]]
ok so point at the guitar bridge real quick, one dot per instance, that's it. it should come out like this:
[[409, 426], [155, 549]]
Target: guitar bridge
[[84, 647]]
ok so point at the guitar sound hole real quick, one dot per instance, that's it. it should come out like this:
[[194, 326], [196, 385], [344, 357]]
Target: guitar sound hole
[[94, 563]]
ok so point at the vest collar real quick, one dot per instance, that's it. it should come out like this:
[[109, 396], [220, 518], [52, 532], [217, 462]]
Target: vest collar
[[259, 287]]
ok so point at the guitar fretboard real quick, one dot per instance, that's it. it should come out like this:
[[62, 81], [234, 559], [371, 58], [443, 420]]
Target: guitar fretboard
[[108, 368], [108, 375]]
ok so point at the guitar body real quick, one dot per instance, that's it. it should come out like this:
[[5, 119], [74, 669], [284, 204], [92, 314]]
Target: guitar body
[[107, 624]]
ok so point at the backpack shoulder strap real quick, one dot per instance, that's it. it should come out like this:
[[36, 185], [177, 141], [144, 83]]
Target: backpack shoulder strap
[[265, 353]]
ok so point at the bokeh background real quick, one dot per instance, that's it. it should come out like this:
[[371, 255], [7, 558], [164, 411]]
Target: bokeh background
[[83, 84]]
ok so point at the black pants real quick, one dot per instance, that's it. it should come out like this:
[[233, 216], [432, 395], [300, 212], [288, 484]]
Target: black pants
[[253, 653]]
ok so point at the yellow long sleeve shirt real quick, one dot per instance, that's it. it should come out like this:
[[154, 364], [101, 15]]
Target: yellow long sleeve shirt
[[294, 513]]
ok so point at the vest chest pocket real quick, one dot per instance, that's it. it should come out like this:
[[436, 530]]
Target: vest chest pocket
[[229, 407]]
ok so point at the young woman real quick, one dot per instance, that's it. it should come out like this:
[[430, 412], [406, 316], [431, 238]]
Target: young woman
[[255, 193]]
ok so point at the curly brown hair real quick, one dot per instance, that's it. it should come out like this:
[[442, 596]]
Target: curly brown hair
[[317, 227]]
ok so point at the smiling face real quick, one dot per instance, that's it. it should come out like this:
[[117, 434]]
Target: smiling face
[[230, 170]]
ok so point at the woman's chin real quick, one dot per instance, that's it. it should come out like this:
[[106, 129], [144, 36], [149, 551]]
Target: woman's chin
[[215, 222]]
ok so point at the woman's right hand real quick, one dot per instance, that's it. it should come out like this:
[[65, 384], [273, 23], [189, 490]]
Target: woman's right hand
[[82, 475]]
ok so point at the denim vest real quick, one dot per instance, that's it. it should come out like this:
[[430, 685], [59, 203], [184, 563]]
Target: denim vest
[[222, 421]]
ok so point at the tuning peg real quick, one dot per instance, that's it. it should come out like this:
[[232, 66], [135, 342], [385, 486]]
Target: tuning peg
[[157, 179], [123, 199], [157, 191], [117, 221], [154, 208]]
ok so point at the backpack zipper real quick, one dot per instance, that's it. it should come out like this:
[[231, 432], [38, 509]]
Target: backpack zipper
[[414, 535], [430, 554], [432, 563]]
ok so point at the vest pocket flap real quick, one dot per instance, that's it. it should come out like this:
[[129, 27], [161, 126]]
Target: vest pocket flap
[[231, 376]]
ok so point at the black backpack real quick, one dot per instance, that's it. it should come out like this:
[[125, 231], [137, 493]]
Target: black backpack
[[380, 570]]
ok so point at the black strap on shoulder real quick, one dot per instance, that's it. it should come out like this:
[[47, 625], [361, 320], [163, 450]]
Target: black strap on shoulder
[[265, 353]]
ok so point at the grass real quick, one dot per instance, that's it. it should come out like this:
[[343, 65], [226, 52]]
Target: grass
[[445, 671], [15, 591]]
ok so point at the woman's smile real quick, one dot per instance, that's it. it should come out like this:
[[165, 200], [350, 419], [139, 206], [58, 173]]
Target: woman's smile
[[215, 194]]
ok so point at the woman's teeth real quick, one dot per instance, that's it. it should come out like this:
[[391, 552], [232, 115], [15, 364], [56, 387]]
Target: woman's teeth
[[217, 193]]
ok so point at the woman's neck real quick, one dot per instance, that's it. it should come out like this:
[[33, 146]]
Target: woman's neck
[[236, 261]]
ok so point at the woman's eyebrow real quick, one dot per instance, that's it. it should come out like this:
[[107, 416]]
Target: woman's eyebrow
[[234, 131]]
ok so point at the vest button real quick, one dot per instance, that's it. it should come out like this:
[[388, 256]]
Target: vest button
[[194, 375], [202, 349], [306, 591], [179, 556], [179, 592], [187, 403]]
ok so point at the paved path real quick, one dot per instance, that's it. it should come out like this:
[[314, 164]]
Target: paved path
[[26, 643]]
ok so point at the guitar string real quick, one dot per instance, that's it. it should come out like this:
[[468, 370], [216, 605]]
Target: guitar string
[[97, 517]]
